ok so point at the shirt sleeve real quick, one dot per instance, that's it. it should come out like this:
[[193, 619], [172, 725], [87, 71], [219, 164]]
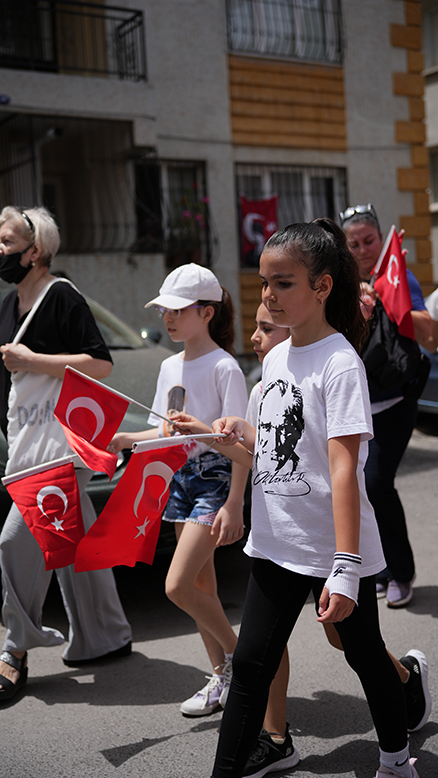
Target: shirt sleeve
[[231, 387], [348, 409], [432, 305], [416, 293]]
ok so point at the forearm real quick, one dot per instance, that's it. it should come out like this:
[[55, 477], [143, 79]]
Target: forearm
[[431, 344], [422, 327], [346, 512], [55, 364], [343, 455], [237, 453]]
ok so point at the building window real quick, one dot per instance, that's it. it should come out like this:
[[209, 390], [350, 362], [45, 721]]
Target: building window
[[79, 169], [173, 213], [296, 29], [430, 33]]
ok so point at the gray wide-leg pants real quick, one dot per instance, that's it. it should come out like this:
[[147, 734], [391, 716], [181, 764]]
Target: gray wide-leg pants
[[97, 622]]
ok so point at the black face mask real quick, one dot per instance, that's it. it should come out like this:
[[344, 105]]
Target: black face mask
[[10, 269]]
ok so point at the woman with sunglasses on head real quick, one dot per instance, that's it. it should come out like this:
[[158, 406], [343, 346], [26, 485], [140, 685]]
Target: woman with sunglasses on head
[[60, 331], [205, 508], [394, 416]]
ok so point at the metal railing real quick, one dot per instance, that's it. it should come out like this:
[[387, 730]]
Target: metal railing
[[72, 37], [295, 29]]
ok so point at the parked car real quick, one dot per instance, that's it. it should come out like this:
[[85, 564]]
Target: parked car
[[137, 363]]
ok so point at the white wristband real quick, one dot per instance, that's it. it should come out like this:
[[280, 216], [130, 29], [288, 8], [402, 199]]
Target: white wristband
[[345, 575]]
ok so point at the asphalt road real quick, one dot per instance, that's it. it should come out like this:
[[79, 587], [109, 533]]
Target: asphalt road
[[122, 718]]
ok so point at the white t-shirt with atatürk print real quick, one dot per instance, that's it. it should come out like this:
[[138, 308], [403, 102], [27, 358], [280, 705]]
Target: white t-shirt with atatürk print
[[310, 394]]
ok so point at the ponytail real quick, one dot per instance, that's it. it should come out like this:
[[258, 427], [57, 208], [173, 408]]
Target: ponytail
[[221, 325]]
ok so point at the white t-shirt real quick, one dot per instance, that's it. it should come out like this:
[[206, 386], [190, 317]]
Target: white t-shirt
[[208, 387], [252, 410], [432, 305], [310, 394]]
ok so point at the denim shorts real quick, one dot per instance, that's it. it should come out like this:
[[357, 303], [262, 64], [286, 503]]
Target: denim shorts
[[198, 489]]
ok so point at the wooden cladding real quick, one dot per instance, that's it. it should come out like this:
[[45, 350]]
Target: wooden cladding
[[287, 104], [415, 179]]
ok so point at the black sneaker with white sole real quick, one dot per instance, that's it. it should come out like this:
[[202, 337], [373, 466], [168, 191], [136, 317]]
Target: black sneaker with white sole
[[267, 756], [418, 702]]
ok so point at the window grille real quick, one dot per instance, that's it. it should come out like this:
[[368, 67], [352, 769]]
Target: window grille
[[304, 193], [297, 29]]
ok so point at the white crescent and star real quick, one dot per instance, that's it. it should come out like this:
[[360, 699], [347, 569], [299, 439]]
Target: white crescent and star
[[394, 280], [153, 468], [90, 405], [42, 494]]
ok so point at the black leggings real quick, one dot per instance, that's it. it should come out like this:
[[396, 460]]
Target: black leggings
[[274, 600]]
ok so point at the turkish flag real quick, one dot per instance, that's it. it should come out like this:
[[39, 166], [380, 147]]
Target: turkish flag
[[391, 284], [90, 415], [258, 220], [50, 505], [127, 530]]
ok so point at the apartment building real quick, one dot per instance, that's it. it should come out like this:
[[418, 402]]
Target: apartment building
[[143, 125]]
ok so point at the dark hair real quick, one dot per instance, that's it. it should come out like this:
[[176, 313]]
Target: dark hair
[[221, 325], [361, 218], [321, 247]]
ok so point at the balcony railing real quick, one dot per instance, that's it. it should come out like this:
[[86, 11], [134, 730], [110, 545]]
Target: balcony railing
[[71, 37]]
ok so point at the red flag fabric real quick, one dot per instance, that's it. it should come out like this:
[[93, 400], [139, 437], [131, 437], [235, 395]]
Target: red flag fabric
[[258, 219], [50, 505], [391, 284], [90, 415], [127, 530]]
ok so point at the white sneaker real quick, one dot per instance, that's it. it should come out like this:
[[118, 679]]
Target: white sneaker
[[383, 772], [227, 676], [207, 700]]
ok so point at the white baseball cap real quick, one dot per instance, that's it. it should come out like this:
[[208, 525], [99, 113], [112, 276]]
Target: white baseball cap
[[186, 285]]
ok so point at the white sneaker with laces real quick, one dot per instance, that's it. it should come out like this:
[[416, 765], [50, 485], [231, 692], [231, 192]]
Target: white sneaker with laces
[[207, 700]]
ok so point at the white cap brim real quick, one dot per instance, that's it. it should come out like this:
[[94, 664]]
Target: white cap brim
[[171, 301]]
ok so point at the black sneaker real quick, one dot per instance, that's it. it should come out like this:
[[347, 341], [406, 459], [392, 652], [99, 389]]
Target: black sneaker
[[418, 702], [267, 756]]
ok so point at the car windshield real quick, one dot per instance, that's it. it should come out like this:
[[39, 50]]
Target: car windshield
[[115, 332]]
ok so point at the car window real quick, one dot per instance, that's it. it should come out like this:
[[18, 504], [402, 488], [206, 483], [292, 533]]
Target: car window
[[115, 332]]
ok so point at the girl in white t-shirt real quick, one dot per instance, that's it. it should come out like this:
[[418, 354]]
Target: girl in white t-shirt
[[204, 380], [313, 528]]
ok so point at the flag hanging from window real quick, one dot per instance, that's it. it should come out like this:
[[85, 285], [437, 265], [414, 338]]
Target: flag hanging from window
[[258, 221], [90, 414], [48, 499], [391, 284], [127, 530]]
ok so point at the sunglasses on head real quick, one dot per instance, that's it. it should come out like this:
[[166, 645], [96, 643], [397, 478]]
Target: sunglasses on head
[[29, 222], [361, 210]]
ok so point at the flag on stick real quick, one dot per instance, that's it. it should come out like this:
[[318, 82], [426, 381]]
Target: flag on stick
[[48, 499], [391, 284], [127, 530], [90, 414]]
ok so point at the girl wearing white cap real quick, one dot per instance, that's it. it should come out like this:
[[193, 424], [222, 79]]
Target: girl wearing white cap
[[204, 380]]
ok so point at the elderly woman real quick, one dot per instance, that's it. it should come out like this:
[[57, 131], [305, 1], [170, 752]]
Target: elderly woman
[[62, 331], [394, 418]]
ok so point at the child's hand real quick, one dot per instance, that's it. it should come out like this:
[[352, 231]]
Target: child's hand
[[189, 425], [228, 525], [232, 427], [118, 443], [335, 608]]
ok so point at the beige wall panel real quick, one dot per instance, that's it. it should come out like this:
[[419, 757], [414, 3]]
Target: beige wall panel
[[285, 104]]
